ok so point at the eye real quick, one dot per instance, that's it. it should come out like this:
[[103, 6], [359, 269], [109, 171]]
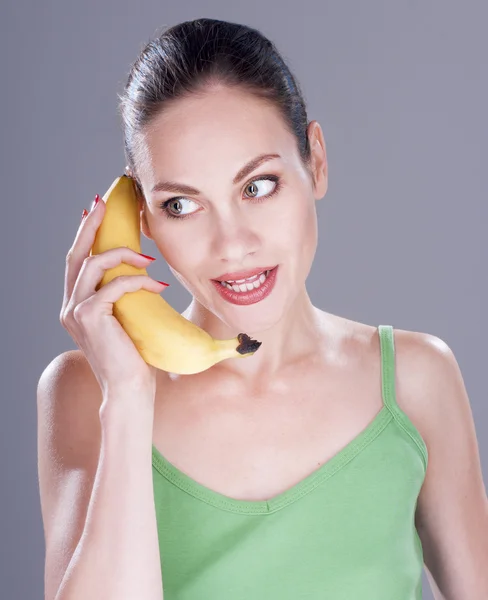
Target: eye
[[165, 206], [267, 178], [170, 203]]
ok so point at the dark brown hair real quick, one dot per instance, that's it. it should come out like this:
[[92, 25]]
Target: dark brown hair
[[190, 57]]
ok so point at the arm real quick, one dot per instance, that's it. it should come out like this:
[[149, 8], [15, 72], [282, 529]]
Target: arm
[[452, 509], [96, 488]]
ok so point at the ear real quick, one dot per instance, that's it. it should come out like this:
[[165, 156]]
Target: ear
[[318, 159], [142, 207], [144, 224]]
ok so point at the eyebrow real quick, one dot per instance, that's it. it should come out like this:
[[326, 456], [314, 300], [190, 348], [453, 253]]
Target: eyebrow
[[172, 186]]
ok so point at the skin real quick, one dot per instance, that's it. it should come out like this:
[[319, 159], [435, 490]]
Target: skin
[[265, 410]]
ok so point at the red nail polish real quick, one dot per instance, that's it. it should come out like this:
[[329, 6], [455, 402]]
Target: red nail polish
[[83, 214], [95, 202], [146, 256], [163, 283]]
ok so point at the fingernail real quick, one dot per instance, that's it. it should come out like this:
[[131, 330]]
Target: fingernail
[[95, 202], [163, 283], [83, 214], [146, 256]]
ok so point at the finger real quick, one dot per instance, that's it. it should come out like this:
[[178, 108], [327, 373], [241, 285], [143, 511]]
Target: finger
[[82, 244], [93, 269], [101, 303]]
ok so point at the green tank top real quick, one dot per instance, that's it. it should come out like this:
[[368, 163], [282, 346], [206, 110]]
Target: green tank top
[[344, 532]]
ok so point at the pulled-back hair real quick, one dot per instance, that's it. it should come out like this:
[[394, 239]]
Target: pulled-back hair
[[190, 58]]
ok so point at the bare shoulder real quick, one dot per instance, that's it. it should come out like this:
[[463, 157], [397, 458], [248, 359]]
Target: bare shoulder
[[428, 381], [68, 443], [69, 367], [69, 398], [423, 349], [68, 403], [426, 372]]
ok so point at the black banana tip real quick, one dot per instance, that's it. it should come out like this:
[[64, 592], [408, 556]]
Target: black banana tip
[[246, 344]]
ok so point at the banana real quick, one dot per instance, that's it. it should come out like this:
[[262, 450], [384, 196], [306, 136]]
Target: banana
[[164, 338]]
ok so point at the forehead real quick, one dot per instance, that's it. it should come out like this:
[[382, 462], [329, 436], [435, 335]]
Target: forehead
[[226, 125]]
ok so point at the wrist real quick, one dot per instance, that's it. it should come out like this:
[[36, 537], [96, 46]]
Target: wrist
[[119, 406]]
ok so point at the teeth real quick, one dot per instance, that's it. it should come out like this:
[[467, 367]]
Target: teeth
[[248, 285], [231, 281]]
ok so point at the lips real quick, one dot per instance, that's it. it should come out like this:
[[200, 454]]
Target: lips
[[236, 275], [249, 296]]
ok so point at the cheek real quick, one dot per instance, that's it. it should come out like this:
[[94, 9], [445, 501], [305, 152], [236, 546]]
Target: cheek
[[298, 226], [182, 249], [302, 237], [172, 241]]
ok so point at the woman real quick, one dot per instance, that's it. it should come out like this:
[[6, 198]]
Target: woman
[[299, 472]]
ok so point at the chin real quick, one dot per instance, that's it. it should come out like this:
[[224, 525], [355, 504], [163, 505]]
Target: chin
[[252, 319]]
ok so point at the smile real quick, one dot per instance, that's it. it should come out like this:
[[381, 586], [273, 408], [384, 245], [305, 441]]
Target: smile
[[247, 291]]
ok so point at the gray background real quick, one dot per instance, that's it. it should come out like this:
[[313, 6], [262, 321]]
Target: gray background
[[400, 89]]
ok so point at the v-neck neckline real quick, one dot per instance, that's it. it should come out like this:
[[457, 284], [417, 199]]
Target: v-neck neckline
[[304, 486]]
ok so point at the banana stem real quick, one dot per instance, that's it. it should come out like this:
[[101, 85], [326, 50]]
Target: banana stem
[[242, 345]]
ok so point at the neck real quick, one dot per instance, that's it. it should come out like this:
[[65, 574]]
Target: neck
[[294, 336]]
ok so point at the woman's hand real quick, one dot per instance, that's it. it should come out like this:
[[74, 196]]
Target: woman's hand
[[87, 314]]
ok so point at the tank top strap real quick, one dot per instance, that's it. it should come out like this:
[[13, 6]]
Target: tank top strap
[[387, 348]]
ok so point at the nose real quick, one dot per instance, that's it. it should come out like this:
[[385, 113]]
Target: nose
[[233, 238]]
